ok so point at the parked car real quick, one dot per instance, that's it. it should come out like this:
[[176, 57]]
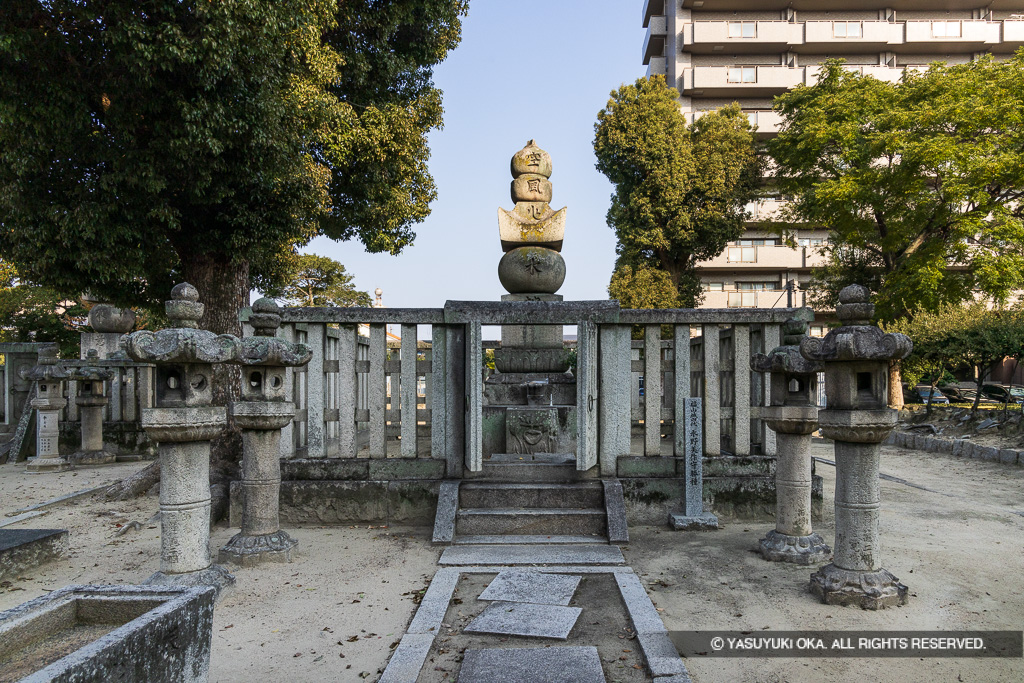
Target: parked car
[[1002, 393], [937, 397], [961, 395]]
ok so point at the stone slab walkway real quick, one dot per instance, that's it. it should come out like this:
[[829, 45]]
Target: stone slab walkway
[[528, 598]]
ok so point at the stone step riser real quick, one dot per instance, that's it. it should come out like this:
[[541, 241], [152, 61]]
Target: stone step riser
[[498, 523], [531, 498], [531, 472]]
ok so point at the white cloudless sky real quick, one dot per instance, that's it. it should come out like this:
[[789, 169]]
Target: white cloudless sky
[[523, 70]]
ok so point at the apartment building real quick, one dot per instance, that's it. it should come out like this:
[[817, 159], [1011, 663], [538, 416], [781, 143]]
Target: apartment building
[[716, 52]]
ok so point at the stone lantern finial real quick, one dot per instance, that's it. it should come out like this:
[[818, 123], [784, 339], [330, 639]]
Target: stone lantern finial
[[184, 309], [855, 307], [266, 317]]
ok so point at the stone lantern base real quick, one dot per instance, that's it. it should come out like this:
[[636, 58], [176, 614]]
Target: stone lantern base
[[101, 457], [869, 590], [249, 551], [802, 550], [214, 575], [39, 465]]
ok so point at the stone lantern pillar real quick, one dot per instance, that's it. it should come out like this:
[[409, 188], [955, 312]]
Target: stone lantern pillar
[[261, 413], [182, 423], [49, 376], [793, 416], [91, 399], [856, 358]]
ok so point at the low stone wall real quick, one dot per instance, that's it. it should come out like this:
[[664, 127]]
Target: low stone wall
[[961, 448]]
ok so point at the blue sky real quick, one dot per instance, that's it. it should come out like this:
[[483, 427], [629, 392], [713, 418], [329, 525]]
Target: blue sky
[[496, 97]]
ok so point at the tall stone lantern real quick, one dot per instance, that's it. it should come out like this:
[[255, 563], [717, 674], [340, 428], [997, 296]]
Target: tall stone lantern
[[49, 377], [91, 399], [856, 358], [183, 422], [793, 416], [261, 413]]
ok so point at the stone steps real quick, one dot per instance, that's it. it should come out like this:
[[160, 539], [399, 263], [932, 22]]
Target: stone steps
[[524, 539], [562, 521], [495, 470], [531, 495]]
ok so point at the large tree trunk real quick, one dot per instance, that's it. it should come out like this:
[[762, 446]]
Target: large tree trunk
[[895, 385]]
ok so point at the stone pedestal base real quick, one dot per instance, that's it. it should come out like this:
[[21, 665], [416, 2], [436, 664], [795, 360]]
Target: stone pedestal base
[[803, 550], [249, 551], [102, 457], [214, 575], [39, 465], [702, 522], [868, 590]]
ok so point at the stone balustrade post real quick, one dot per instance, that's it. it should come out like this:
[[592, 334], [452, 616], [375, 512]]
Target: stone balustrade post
[[793, 416], [183, 422], [856, 358], [49, 376], [91, 399], [261, 413]]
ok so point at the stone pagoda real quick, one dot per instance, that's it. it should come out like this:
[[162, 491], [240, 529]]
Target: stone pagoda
[[531, 400]]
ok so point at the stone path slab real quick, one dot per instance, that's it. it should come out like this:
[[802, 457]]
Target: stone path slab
[[525, 619], [545, 589], [532, 665], [526, 554]]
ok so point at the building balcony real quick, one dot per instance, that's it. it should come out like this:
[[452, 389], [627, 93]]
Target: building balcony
[[778, 258], [849, 5], [741, 81], [753, 299], [652, 8], [850, 36], [1013, 36], [738, 37], [657, 65], [654, 43], [891, 74], [952, 36]]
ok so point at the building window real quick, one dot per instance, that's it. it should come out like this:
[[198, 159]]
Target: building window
[[765, 242], [945, 29], [742, 300], [811, 241], [847, 29], [758, 286], [712, 286], [742, 29], [743, 74], [818, 330], [741, 255]]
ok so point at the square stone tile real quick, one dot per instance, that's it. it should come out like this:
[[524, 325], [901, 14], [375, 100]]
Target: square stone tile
[[525, 619], [532, 665], [535, 587]]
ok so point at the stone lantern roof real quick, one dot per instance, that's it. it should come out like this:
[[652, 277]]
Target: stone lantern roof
[[48, 368], [265, 348], [786, 359], [857, 339]]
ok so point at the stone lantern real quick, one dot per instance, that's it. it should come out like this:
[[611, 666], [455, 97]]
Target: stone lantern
[[793, 416], [183, 422], [49, 377], [261, 413], [91, 399], [856, 358]]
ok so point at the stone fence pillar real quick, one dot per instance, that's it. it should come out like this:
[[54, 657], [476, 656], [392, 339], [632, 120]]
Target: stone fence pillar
[[793, 416], [183, 423], [261, 413], [856, 358]]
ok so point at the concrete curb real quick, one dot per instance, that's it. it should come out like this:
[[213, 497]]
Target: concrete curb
[[961, 448]]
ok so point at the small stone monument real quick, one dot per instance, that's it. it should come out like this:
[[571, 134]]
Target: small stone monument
[[91, 399], [108, 324], [856, 358], [49, 376], [531, 400], [261, 413], [793, 416], [183, 423]]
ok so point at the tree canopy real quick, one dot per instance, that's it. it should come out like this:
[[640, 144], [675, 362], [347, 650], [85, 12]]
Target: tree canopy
[[919, 182], [32, 313], [146, 142], [315, 280], [679, 189]]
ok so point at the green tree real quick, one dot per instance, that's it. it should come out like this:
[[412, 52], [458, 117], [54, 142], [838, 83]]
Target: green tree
[[30, 313], [146, 142], [319, 281], [643, 286], [919, 182], [679, 189]]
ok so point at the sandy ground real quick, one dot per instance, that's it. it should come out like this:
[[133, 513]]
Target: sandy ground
[[336, 611]]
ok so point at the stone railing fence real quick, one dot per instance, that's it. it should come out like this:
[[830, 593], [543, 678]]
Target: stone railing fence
[[355, 397]]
